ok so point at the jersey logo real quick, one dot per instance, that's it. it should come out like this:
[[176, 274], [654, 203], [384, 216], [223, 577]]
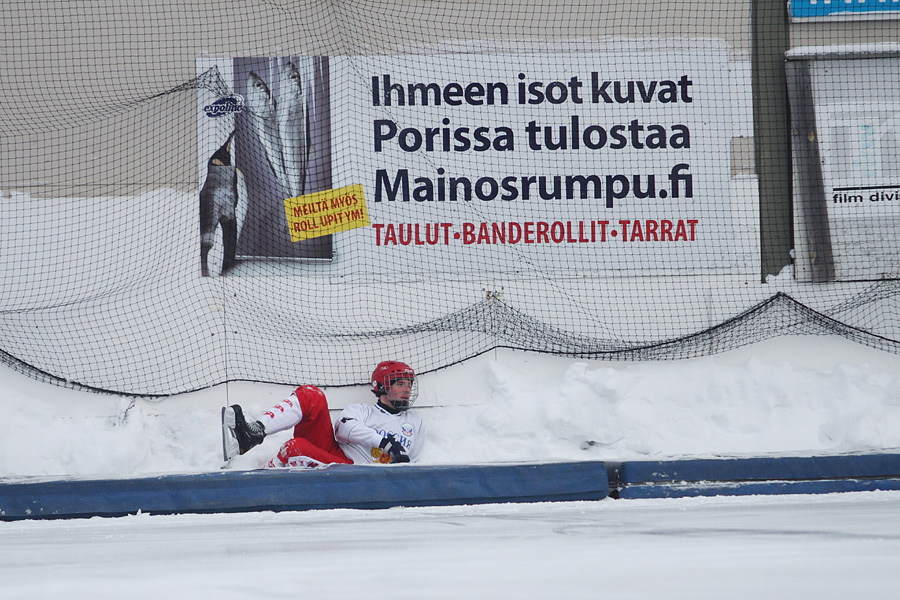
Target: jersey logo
[[406, 429]]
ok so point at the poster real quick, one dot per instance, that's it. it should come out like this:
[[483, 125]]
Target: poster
[[568, 162], [278, 146], [474, 163]]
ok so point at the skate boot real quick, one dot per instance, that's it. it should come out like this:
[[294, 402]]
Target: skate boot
[[238, 436]]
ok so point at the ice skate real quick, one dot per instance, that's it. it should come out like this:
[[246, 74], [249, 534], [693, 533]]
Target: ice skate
[[239, 436]]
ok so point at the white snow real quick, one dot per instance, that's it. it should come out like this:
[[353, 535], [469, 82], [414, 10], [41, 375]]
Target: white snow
[[812, 395], [785, 396]]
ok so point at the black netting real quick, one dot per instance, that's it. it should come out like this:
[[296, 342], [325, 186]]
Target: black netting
[[193, 193]]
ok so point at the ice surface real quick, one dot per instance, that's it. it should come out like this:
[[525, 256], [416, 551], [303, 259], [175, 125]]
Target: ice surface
[[833, 546]]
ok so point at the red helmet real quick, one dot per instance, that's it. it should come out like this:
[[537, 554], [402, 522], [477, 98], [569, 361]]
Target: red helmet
[[386, 373]]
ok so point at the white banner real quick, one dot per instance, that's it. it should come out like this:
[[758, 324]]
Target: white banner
[[476, 163]]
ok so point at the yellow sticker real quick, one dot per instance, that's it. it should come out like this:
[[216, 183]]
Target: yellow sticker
[[324, 213]]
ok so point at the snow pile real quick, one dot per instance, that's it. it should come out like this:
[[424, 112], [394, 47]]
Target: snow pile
[[788, 395], [697, 407]]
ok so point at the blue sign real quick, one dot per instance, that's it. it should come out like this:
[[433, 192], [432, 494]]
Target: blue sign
[[844, 9], [224, 106]]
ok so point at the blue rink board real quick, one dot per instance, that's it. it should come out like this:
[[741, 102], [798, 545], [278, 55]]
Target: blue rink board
[[371, 487], [336, 486], [755, 488], [747, 476], [761, 468]]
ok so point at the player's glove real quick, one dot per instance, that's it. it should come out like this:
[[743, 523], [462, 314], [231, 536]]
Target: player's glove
[[390, 451]]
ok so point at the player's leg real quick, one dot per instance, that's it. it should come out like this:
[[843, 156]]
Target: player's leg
[[285, 414], [240, 435], [316, 425], [306, 410], [301, 452]]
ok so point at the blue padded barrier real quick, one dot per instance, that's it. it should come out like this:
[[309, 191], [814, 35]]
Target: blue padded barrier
[[766, 475], [336, 486], [761, 469], [748, 488], [369, 487]]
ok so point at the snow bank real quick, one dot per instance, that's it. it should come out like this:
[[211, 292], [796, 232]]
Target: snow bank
[[790, 395]]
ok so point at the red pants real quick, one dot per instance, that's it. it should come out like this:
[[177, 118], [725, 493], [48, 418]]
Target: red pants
[[313, 435]]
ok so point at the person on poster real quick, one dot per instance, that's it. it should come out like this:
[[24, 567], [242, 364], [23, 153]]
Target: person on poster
[[383, 432]]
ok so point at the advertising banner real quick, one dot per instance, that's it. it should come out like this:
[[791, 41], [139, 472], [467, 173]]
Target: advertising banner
[[836, 10], [614, 161], [277, 145], [481, 163]]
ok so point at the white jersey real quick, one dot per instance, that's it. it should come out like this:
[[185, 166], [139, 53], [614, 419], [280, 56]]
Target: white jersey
[[362, 427]]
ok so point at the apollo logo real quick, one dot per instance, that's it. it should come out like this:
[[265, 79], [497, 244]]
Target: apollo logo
[[224, 106]]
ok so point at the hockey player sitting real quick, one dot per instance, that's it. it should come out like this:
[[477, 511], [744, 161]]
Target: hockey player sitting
[[384, 432]]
